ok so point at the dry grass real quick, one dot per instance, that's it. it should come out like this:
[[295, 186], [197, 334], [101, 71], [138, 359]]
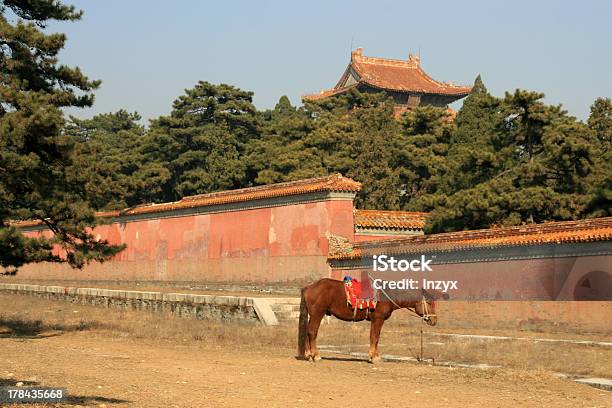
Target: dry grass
[[25, 316], [30, 317], [568, 358], [574, 359]]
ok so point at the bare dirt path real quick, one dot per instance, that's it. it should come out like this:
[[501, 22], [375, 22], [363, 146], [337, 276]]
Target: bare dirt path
[[100, 370]]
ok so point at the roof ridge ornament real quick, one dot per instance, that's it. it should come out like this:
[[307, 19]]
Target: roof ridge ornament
[[415, 59]]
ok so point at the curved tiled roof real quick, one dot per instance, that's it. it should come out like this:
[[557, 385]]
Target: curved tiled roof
[[333, 183], [595, 229], [26, 223], [392, 75], [327, 93], [395, 220], [402, 76]]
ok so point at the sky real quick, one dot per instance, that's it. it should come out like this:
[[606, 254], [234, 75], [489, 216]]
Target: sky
[[148, 52]]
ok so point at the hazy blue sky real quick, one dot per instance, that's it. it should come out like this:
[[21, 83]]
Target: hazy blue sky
[[148, 52]]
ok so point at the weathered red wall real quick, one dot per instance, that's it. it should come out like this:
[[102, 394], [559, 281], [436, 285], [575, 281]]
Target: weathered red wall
[[536, 281], [512, 279], [275, 244]]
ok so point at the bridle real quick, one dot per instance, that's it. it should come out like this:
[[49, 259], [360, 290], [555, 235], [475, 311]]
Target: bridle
[[426, 316]]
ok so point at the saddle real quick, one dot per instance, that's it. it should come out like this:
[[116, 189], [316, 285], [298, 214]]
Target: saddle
[[355, 297]]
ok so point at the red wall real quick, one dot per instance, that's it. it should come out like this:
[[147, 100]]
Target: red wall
[[536, 281], [274, 244], [512, 279]]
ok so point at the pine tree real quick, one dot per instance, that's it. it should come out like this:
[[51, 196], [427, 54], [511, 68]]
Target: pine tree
[[543, 161], [423, 158], [600, 181], [354, 134], [108, 161], [374, 150], [34, 155], [279, 154], [201, 143], [600, 122], [472, 155]]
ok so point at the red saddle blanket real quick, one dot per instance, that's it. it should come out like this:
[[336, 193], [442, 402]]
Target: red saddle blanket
[[354, 296]]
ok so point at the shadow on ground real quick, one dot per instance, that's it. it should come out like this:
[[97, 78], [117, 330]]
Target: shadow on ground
[[337, 358], [36, 329], [347, 359], [70, 399]]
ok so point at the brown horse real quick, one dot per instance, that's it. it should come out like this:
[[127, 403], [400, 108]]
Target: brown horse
[[327, 296]]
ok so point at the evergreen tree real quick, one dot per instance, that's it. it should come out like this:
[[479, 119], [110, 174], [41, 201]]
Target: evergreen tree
[[280, 154], [423, 158], [108, 162], [35, 157], [354, 134], [357, 135], [374, 149], [543, 161], [600, 122], [473, 152], [600, 181], [202, 142]]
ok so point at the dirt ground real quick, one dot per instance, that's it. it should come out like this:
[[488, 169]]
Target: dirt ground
[[102, 371], [109, 358]]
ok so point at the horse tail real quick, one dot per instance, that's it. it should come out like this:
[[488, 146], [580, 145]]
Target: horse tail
[[303, 326]]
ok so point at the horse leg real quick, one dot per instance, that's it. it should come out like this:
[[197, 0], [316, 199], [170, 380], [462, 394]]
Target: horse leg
[[313, 329], [375, 329]]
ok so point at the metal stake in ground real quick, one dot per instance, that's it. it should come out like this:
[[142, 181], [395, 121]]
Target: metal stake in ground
[[421, 358]]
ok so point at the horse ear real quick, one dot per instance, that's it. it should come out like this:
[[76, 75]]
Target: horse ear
[[427, 295]]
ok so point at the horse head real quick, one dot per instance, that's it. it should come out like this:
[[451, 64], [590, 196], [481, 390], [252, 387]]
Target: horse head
[[426, 308]]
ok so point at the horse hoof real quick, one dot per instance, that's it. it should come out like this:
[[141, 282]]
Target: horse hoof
[[374, 360], [316, 358]]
